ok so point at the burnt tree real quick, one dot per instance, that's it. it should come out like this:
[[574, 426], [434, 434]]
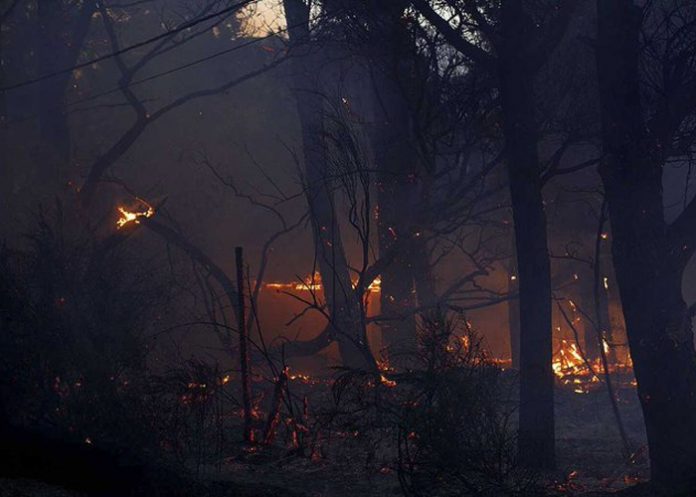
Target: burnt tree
[[649, 254], [345, 321], [392, 58], [61, 34], [513, 52]]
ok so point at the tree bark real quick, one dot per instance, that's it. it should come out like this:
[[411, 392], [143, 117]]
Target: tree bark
[[648, 262], [397, 192], [513, 304], [516, 76], [61, 33], [585, 310]]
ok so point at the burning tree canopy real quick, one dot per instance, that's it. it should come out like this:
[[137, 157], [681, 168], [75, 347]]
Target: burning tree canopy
[[427, 247]]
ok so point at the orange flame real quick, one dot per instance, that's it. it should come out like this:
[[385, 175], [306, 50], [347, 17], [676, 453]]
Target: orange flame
[[128, 216]]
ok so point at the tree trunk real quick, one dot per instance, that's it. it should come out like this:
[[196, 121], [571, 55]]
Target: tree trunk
[[513, 304], [61, 33], [397, 191], [536, 418], [648, 265], [346, 324], [422, 272], [391, 57], [586, 304]]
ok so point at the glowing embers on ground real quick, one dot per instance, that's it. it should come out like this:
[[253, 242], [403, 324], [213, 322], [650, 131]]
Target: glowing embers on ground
[[313, 283], [133, 216]]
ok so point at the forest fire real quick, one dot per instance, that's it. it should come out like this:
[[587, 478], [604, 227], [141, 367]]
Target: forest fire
[[381, 247]]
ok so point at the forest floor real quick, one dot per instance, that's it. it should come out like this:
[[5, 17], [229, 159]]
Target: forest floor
[[589, 456]]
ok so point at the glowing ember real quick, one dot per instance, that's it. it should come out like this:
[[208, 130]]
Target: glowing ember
[[133, 216], [303, 378], [386, 381]]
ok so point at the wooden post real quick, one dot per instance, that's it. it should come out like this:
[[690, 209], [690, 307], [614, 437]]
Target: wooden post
[[243, 342]]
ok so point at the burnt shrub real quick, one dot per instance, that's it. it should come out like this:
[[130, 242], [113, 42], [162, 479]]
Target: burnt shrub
[[446, 425], [75, 312]]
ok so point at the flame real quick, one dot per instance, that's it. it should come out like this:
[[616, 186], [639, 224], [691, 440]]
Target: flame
[[128, 216], [572, 370], [386, 381], [383, 364], [303, 378], [313, 283]]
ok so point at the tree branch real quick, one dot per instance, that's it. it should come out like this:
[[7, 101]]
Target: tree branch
[[469, 50]]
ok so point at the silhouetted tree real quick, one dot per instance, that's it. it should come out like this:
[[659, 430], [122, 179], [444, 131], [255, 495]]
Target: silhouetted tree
[[513, 50], [345, 324], [648, 103]]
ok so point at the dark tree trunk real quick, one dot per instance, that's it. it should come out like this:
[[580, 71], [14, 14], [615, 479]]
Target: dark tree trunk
[[514, 310], [61, 33], [423, 277], [647, 261], [407, 279], [536, 418], [346, 324], [397, 191], [586, 310], [603, 292]]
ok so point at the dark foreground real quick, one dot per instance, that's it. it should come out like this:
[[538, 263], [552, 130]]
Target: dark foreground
[[590, 463]]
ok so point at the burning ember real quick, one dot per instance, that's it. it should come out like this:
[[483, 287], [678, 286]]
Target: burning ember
[[128, 216], [386, 381]]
